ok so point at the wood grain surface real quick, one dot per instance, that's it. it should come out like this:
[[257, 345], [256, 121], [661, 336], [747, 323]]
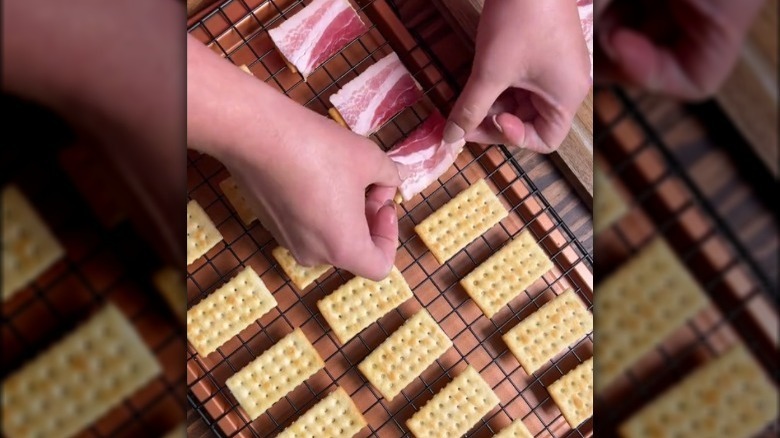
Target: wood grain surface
[[750, 95]]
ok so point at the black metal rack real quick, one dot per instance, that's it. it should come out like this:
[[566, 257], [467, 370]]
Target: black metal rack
[[527, 392], [734, 313]]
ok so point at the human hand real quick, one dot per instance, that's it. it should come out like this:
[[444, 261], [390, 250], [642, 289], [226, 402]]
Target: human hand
[[326, 194], [531, 72], [684, 48]]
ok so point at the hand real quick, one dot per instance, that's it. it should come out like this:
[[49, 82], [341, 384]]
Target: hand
[[311, 195], [325, 193], [126, 101], [531, 72], [684, 48]]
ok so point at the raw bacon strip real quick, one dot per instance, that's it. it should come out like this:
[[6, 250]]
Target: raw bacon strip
[[317, 32], [585, 8], [424, 156], [376, 95]]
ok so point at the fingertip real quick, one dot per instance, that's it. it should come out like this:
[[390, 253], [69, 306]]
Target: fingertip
[[636, 56], [512, 128], [452, 132]]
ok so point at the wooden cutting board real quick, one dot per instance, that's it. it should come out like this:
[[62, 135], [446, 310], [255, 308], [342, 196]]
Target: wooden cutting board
[[575, 156], [749, 95]]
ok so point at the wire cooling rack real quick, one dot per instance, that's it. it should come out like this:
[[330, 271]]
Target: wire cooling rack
[[101, 265], [665, 200], [237, 30]]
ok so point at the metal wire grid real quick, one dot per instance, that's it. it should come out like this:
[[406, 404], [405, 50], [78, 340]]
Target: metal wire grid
[[77, 276], [732, 315], [208, 174]]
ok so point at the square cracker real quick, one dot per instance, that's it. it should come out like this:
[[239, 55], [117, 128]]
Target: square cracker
[[455, 409], [301, 276], [202, 235], [228, 310], [245, 69], [573, 393], [506, 274], [29, 248], [275, 373], [335, 416], [461, 220], [359, 303], [405, 354], [729, 396], [608, 205], [515, 430], [79, 379], [643, 302], [237, 199], [543, 334], [171, 284]]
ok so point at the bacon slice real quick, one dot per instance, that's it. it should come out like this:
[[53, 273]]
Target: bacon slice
[[424, 156], [585, 9], [317, 32], [376, 95]]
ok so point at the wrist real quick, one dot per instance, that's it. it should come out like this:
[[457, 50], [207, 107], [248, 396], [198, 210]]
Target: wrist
[[231, 115]]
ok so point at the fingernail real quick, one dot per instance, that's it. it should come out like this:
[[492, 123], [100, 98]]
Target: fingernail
[[389, 203], [453, 132], [495, 123]]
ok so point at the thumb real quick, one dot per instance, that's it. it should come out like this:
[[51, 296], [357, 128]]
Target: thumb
[[472, 107], [377, 251], [386, 171]]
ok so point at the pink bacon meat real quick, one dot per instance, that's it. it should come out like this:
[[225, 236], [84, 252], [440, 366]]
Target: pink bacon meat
[[317, 32], [585, 9], [376, 95], [424, 156]]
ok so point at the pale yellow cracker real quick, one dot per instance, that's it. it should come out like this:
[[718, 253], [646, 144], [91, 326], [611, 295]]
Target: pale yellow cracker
[[171, 284], [237, 199], [730, 396], [78, 380], [228, 310], [573, 393], [245, 69], [336, 116], [608, 205], [29, 248], [640, 305], [515, 430], [335, 416], [506, 274], [405, 354], [543, 334], [301, 276], [359, 303], [454, 410], [275, 373], [202, 235], [461, 220]]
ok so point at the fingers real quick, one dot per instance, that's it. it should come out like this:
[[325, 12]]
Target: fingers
[[378, 197], [386, 171], [373, 256], [693, 67], [540, 135], [472, 107], [654, 68]]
